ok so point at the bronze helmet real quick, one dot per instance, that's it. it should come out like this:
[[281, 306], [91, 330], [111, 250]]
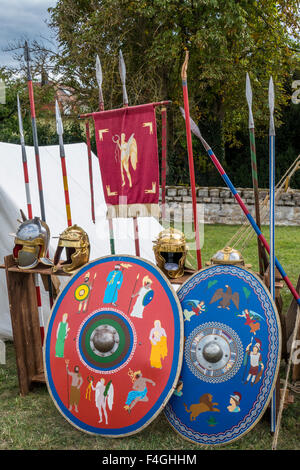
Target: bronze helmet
[[76, 242], [170, 251], [31, 244]]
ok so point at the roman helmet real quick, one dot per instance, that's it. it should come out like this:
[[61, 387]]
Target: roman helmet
[[228, 255], [32, 243], [170, 251], [76, 242]]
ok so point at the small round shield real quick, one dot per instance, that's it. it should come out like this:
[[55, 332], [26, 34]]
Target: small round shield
[[82, 292], [112, 366], [148, 297], [231, 355]]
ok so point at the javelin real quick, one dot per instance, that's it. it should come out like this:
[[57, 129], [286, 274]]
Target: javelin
[[195, 129]]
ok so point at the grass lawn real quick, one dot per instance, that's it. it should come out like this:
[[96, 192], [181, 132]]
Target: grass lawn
[[33, 421]]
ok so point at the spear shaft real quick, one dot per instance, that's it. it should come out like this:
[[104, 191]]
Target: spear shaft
[[190, 157], [59, 129], [89, 152], [37, 152], [163, 159], [239, 200], [24, 161], [272, 222], [122, 70], [34, 132], [101, 108], [29, 212], [261, 254]]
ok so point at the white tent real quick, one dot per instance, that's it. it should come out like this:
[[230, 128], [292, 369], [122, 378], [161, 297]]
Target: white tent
[[13, 198]]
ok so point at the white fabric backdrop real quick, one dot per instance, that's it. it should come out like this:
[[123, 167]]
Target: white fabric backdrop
[[13, 198]]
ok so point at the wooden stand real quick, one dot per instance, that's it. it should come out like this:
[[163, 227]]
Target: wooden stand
[[187, 274], [25, 322]]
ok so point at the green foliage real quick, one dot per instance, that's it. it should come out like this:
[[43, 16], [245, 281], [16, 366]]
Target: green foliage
[[225, 39]]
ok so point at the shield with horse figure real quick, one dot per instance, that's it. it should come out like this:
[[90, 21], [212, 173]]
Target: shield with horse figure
[[111, 357], [231, 355]]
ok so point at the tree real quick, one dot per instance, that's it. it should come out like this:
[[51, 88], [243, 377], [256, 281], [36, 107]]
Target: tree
[[225, 39]]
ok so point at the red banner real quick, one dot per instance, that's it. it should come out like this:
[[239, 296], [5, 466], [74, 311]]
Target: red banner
[[126, 141]]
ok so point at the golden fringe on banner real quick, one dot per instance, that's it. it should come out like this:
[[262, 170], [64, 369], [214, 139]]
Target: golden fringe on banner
[[133, 210]]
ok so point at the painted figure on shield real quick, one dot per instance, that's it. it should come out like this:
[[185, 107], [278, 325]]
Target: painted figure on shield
[[114, 280], [144, 297], [234, 403], [104, 395], [76, 382], [61, 335], [139, 389], [256, 365], [83, 292], [159, 349]]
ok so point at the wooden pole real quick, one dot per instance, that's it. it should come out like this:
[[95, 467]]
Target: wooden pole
[[190, 157], [89, 152], [163, 159]]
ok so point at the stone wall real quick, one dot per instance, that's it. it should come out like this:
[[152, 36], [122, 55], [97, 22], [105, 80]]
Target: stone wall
[[218, 206]]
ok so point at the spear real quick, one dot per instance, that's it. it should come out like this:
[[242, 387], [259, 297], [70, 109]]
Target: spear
[[88, 135], [272, 220], [163, 159], [272, 187], [34, 131], [60, 131], [89, 152], [36, 149], [122, 70], [261, 254], [24, 160], [99, 81], [190, 157], [195, 129], [101, 108], [29, 213]]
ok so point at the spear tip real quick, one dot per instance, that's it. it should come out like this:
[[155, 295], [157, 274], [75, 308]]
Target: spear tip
[[271, 107], [99, 72], [249, 101], [59, 126], [271, 94], [248, 90], [26, 52], [184, 66]]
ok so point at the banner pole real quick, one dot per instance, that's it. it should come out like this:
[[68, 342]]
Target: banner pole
[[190, 157], [163, 159], [122, 71], [99, 77]]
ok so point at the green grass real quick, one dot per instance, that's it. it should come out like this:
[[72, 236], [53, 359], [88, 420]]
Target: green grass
[[33, 422]]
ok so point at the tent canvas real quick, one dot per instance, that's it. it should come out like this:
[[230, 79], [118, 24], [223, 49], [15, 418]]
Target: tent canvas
[[13, 198]]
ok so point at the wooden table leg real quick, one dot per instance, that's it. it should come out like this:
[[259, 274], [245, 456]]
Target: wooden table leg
[[25, 326]]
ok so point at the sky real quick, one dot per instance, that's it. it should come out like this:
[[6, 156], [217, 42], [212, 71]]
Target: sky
[[23, 19]]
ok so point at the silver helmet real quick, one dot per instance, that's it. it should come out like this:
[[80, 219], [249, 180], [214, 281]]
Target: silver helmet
[[31, 244]]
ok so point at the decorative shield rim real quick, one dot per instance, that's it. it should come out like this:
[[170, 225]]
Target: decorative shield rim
[[243, 434], [180, 333]]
